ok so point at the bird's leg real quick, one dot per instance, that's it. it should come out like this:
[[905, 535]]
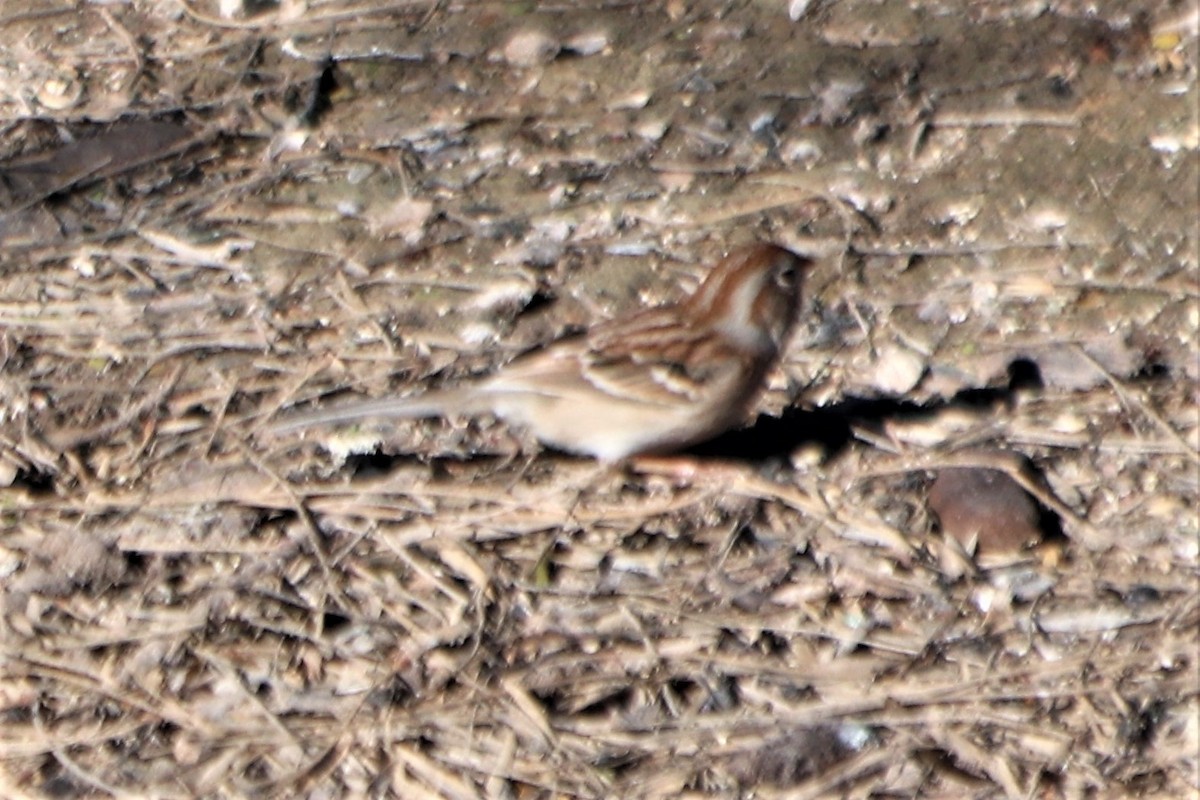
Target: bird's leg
[[682, 468]]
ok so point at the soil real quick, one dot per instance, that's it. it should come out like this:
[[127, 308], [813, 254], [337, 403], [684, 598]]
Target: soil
[[211, 214]]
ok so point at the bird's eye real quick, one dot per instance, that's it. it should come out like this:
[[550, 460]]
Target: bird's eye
[[785, 275]]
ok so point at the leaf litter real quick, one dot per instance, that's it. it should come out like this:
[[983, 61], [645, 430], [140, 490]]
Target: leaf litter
[[211, 212]]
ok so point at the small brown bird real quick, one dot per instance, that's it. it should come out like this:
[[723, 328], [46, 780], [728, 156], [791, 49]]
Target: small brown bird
[[653, 382]]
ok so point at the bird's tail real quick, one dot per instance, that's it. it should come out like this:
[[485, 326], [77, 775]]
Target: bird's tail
[[429, 404]]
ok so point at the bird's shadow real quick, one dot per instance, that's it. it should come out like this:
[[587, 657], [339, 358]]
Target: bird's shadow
[[831, 428]]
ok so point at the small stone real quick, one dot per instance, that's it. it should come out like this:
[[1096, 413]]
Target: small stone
[[652, 129], [1045, 217], [528, 48], [801, 151], [588, 43], [985, 508], [636, 99], [897, 370], [60, 92]]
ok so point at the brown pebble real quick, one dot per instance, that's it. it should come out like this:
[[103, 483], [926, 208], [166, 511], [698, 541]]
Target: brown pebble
[[985, 506]]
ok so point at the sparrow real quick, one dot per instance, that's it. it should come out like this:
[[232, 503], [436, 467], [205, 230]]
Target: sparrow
[[650, 383]]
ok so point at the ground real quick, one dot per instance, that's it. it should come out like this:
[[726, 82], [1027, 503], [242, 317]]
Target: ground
[[213, 213]]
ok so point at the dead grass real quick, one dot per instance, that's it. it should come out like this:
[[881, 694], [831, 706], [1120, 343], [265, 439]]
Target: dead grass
[[192, 609]]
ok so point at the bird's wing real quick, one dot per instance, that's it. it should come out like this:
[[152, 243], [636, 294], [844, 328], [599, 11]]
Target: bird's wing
[[648, 358]]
